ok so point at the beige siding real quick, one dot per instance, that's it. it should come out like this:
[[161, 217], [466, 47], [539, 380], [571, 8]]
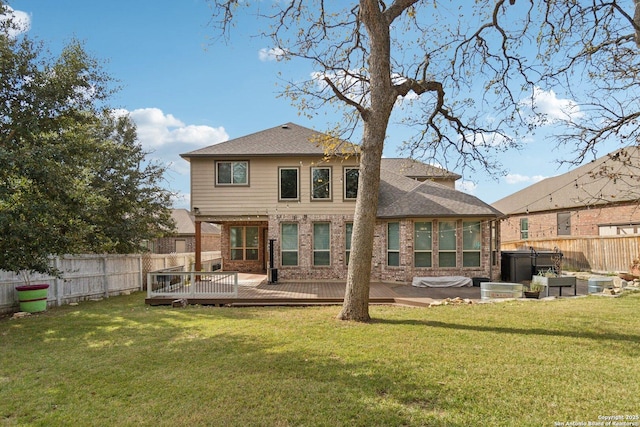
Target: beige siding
[[260, 198]]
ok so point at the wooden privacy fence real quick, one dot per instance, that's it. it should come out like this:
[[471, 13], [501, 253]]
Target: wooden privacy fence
[[606, 254], [96, 276]]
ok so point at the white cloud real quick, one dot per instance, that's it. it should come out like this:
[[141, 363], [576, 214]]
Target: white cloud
[[20, 22], [549, 109], [468, 187], [165, 137], [514, 178], [348, 83], [157, 129], [273, 54], [182, 200]]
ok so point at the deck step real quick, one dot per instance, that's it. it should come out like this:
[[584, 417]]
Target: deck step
[[259, 302]]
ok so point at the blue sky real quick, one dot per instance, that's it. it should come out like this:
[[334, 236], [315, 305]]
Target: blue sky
[[186, 89]]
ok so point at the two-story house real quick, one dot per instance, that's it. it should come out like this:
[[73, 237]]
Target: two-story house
[[277, 188]]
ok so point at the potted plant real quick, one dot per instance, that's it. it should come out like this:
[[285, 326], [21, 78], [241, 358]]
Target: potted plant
[[32, 298], [550, 279], [25, 257], [533, 290]]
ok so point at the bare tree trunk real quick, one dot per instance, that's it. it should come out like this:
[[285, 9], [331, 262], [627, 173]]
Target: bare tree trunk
[[356, 298], [376, 119]]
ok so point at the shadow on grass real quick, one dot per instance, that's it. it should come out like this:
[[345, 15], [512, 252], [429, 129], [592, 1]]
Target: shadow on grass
[[149, 362], [583, 334]]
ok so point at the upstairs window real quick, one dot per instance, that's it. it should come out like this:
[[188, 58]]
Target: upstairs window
[[232, 173], [289, 184], [321, 183], [351, 176]]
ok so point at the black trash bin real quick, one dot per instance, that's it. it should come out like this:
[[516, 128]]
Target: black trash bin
[[518, 266]]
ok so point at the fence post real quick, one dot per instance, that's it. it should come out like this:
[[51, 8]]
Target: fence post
[[235, 284], [193, 285], [140, 273], [59, 282], [105, 279]]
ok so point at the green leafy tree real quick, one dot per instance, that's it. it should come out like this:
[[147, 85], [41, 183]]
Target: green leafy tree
[[132, 205], [73, 179]]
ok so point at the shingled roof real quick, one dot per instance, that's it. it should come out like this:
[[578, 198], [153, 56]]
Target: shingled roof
[[400, 196], [285, 140], [418, 170], [406, 188], [185, 223], [613, 178]]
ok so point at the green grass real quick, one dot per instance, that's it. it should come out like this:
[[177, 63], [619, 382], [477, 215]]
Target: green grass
[[119, 362]]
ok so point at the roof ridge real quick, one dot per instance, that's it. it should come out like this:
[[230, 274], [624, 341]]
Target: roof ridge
[[579, 178]]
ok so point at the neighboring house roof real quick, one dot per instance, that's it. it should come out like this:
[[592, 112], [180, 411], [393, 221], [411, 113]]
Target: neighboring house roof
[[401, 196], [613, 178], [417, 170], [286, 140], [185, 223]]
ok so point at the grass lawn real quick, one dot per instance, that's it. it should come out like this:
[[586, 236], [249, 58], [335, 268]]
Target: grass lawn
[[119, 362]]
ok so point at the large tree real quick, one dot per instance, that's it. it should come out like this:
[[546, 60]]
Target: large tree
[[464, 75], [592, 48], [73, 178]]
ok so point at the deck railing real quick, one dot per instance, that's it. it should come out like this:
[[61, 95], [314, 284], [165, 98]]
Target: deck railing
[[192, 284]]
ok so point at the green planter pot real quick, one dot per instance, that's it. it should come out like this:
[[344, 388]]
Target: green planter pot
[[33, 298]]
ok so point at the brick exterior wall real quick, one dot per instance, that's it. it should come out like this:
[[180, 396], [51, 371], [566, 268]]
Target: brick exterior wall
[[584, 222], [337, 270]]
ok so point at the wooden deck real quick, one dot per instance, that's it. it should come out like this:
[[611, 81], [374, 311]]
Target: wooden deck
[[253, 290]]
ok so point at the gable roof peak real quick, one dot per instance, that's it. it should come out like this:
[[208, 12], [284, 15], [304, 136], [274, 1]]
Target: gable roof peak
[[284, 140]]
